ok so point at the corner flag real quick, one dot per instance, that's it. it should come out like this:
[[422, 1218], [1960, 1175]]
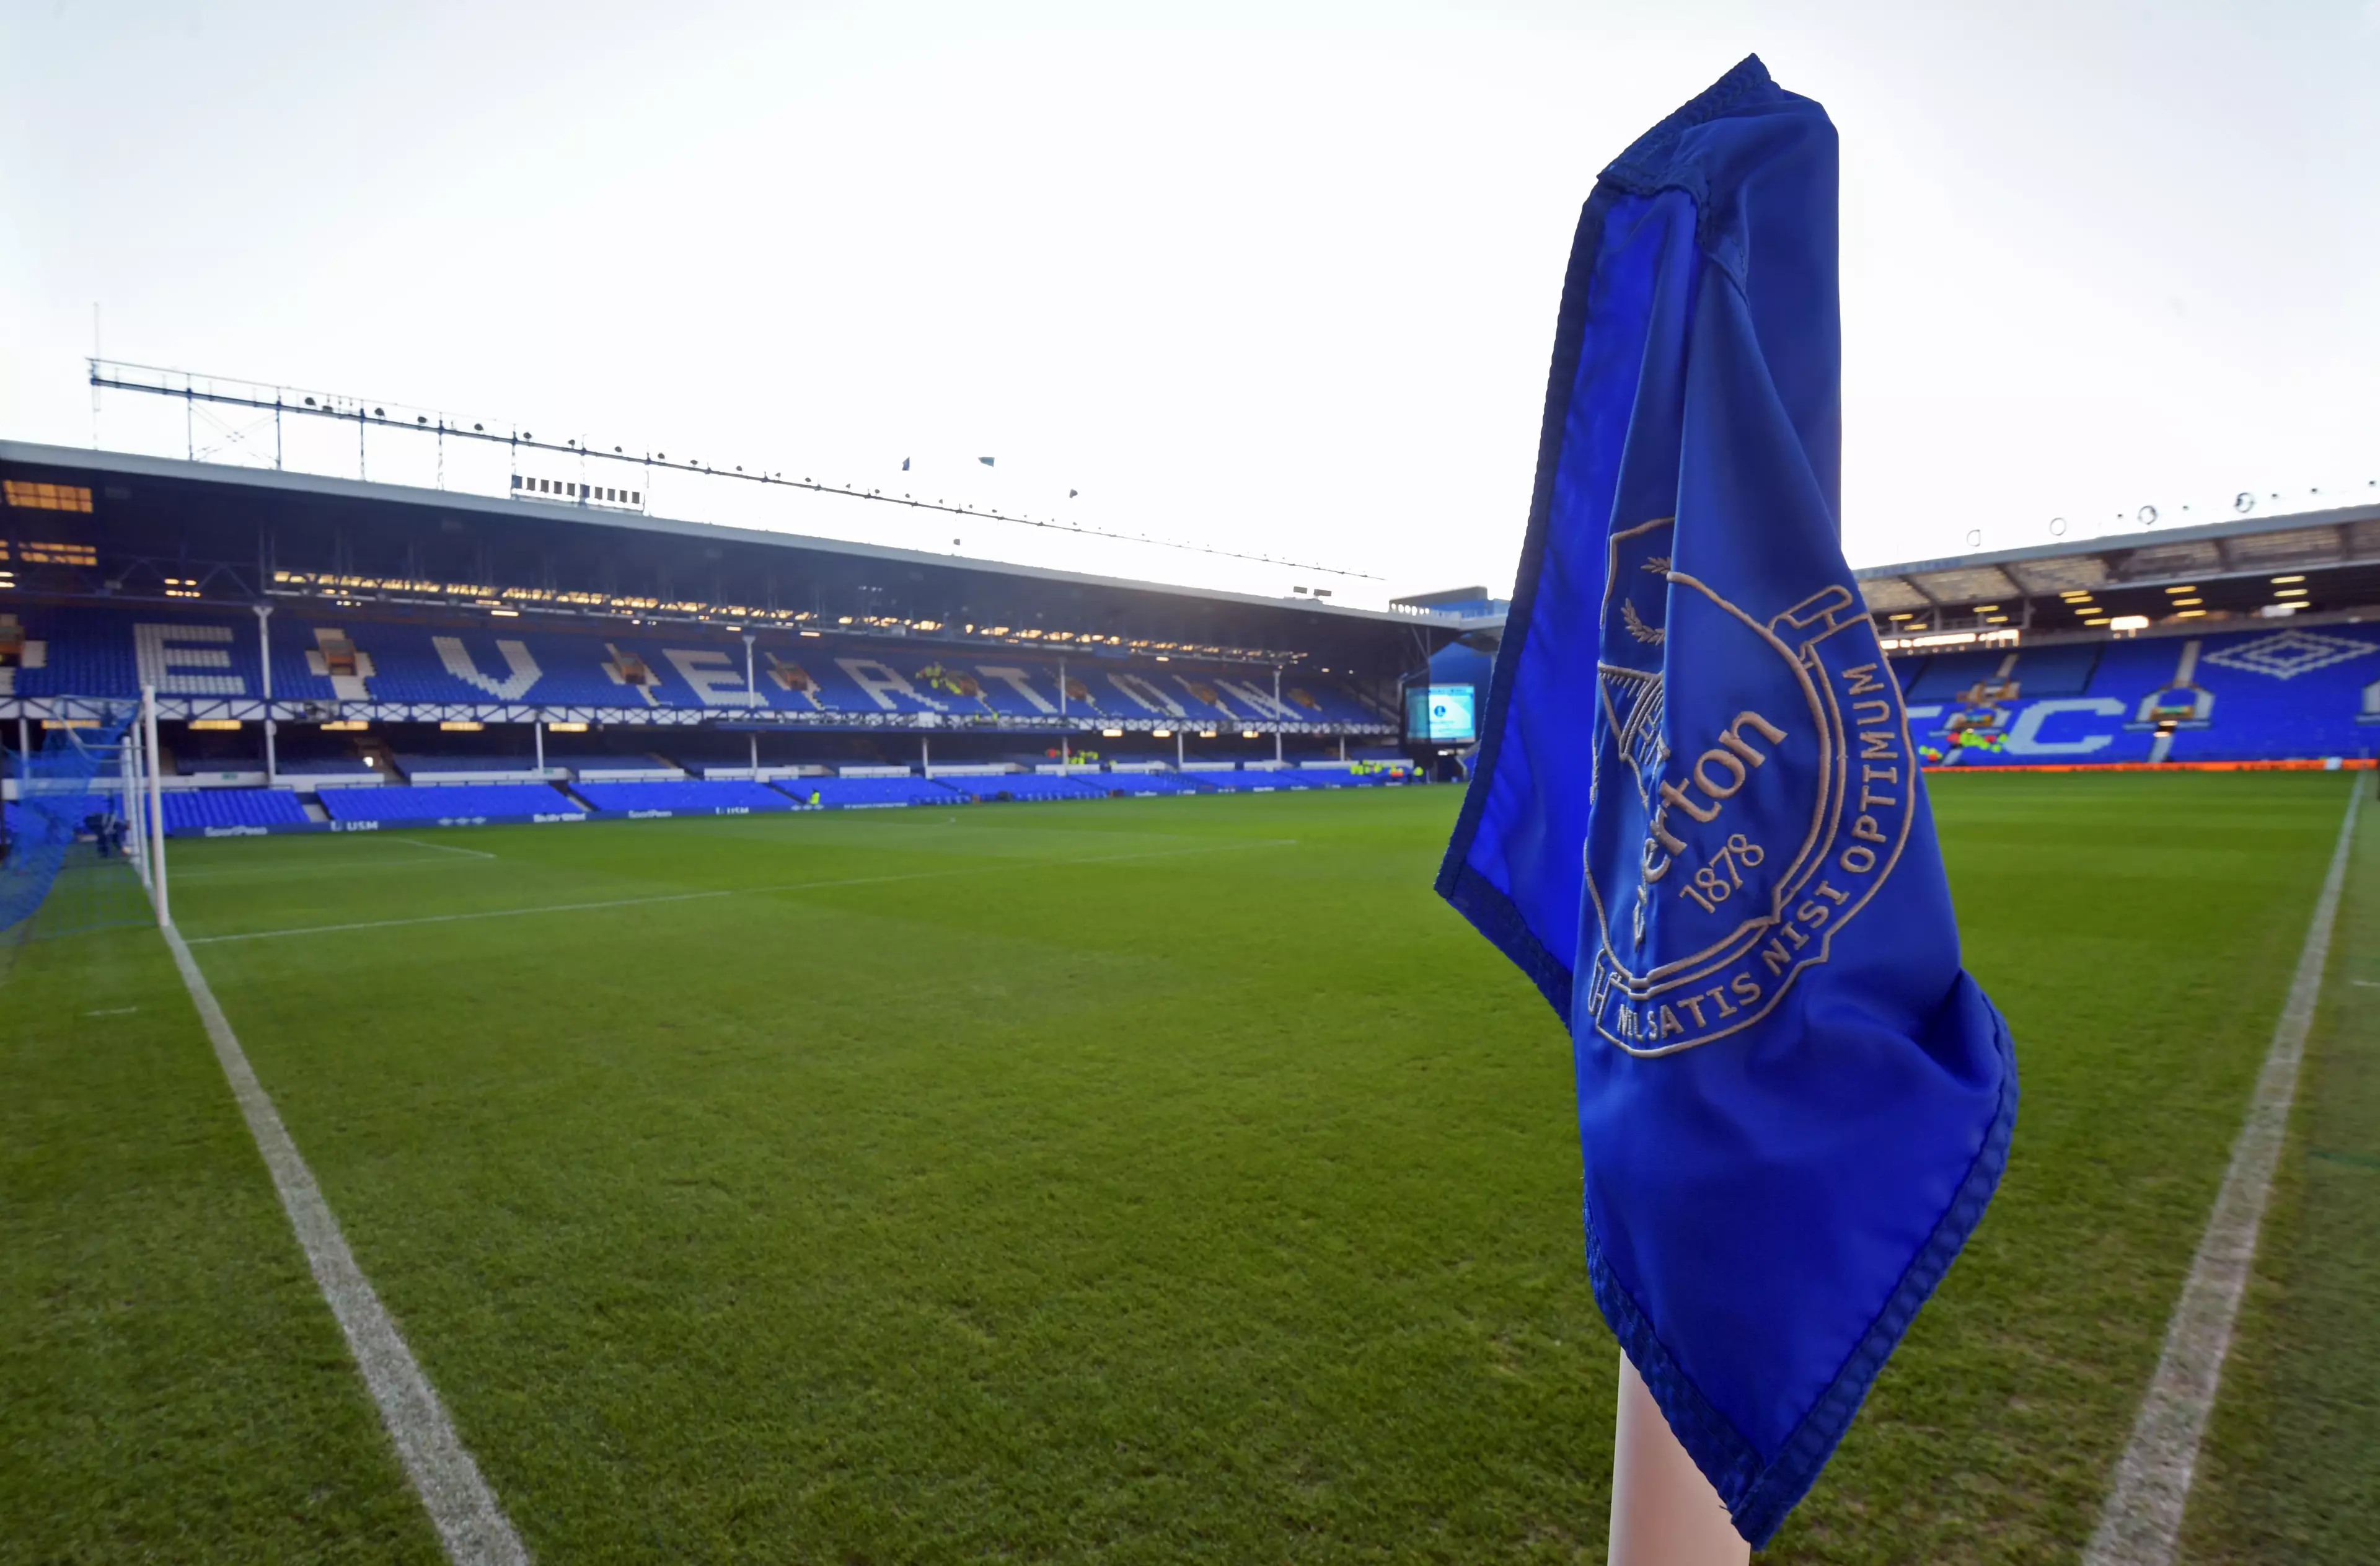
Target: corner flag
[[1696, 819]]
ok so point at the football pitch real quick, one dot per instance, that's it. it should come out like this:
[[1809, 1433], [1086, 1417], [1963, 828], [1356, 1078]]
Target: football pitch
[[1131, 1181]]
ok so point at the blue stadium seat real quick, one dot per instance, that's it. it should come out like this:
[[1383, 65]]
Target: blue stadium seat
[[189, 812], [1025, 786], [323, 655], [847, 794], [2275, 693], [690, 797], [446, 802]]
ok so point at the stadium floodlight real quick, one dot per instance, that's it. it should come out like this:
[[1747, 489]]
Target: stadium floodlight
[[1250, 734], [2296, 578]]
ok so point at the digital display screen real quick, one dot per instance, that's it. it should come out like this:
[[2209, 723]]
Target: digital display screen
[[1441, 713]]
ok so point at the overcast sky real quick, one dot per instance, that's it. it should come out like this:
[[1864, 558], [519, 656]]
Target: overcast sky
[[1273, 278]]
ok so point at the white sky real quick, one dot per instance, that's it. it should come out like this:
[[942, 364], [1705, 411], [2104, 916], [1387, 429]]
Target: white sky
[[1279, 278]]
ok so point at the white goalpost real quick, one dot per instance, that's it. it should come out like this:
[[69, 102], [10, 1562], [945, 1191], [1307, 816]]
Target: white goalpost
[[153, 829], [132, 778]]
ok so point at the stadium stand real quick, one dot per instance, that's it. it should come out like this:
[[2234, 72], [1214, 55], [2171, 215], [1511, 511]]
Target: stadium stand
[[2287, 692], [844, 794], [196, 812], [1149, 784], [331, 767], [109, 651], [687, 796], [413, 763], [1266, 780], [448, 802], [1029, 786]]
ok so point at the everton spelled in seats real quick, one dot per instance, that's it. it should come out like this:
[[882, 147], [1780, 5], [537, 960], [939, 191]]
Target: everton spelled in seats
[[365, 664]]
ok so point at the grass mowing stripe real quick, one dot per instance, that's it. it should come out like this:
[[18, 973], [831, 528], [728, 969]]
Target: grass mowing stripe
[[2140, 1523], [735, 892], [462, 1508]]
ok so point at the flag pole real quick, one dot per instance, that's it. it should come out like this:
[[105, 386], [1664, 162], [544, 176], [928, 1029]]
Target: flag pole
[[1663, 1512]]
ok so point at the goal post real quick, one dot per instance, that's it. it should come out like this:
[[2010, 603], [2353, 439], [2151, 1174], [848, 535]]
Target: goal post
[[155, 824]]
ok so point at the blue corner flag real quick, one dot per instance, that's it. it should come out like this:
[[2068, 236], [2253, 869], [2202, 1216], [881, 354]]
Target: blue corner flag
[[1696, 819]]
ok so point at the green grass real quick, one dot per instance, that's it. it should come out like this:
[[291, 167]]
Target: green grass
[[1123, 1182], [2291, 1472]]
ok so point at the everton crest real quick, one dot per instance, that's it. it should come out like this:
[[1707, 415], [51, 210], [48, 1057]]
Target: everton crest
[[1752, 787]]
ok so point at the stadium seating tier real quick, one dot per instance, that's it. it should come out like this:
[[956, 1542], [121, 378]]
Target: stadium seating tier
[[329, 656], [458, 802]]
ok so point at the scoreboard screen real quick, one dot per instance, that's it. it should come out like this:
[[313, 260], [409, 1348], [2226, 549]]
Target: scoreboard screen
[[1440, 713]]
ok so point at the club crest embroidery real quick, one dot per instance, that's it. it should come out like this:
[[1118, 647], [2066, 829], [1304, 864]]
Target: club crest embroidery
[[1752, 787]]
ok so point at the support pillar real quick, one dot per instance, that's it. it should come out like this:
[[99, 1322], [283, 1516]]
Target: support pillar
[[1276, 714], [536, 733], [1179, 753]]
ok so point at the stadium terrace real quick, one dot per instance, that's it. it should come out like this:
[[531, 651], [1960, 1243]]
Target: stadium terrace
[[318, 645], [2247, 641]]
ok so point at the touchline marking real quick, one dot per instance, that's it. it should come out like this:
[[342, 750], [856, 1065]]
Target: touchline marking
[[2140, 1523], [113, 1011], [730, 892], [462, 1508]]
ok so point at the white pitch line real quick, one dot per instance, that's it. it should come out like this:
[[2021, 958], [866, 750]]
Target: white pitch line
[[371, 864], [451, 918], [728, 891], [2140, 1523], [443, 848], [472, 1527]]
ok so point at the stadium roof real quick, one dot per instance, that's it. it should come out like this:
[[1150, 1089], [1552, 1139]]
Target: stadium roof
[[2323, 559], [233, 526]]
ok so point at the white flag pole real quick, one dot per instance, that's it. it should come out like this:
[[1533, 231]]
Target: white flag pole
[[1663, 1512]]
